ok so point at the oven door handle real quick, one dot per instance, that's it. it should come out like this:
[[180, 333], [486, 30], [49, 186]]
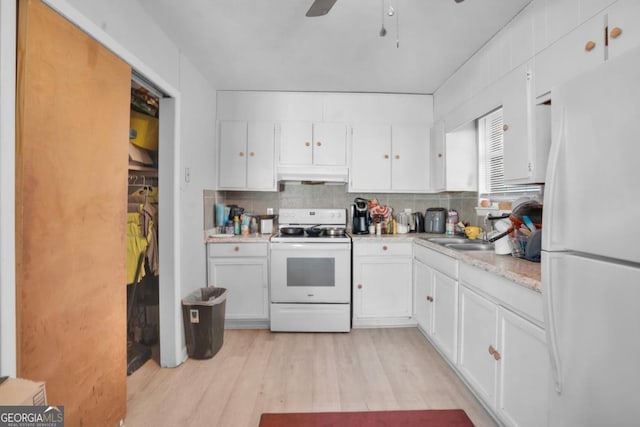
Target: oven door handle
[[318, 247]]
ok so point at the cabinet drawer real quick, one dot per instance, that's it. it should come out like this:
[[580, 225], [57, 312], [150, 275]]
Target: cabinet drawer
[[440, 262], [523, 301], [382, 248], [238, 249]]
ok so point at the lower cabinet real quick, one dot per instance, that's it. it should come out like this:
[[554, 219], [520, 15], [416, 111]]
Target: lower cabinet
[[382, 284], [436, 299], [503, 357], [243, 269]]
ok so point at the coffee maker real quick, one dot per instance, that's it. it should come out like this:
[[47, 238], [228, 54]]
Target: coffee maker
[[360, 216]]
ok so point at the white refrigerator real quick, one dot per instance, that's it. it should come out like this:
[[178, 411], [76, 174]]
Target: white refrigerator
[[591, 248]]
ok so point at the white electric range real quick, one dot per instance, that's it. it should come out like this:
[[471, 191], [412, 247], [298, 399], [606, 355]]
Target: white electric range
[[311, 272]]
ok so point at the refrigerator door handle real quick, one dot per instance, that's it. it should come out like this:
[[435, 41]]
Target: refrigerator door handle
[[550, 321], [551, 188]]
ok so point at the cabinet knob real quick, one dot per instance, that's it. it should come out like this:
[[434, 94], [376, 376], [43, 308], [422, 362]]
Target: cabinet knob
[[589, 46], [496, 355], [236, 249], [359, 285], [307, 144], [252, 154], [430, 298], [397, 156], [505, 127], [439, 154], [615, 32], [319, 144], [241, 154], [384, 248], [491, 350], [386, 156]]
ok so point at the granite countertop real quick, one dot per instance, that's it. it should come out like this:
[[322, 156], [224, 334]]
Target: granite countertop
[[230, 238], [520, 271]]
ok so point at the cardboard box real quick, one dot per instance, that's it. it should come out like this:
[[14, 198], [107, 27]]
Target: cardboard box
[[18, 391]]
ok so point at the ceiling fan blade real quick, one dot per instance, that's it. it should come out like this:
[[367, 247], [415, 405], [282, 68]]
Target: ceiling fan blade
[[320, 7]]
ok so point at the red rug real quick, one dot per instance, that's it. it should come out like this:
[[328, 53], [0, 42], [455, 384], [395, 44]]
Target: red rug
[[433, 418]]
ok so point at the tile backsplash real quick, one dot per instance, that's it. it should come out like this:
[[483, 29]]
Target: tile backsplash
[[298, 195]]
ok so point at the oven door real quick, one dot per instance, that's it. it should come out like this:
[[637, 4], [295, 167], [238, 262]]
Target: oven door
[[311, 272]]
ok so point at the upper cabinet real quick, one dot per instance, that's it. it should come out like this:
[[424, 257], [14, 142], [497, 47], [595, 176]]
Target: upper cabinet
[[606, 34], [454, 158], [623, 30], [390, 158], [304, 143], [311, 136], [527, 129], [246, 156]]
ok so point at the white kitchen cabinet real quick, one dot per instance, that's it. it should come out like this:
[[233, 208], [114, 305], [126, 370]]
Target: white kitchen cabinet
[[242, 269], [522, 371], [307, 144], [436, 298], [423, 294], [527, 129], [454, 158], [580, 50], [382, 280], [606, 35], [478, 343], [390, 158], [246, 156], [437, 157], [623, 27], [502, 349]]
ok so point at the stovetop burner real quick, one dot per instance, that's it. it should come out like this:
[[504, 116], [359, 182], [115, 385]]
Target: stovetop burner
[[312, 225]]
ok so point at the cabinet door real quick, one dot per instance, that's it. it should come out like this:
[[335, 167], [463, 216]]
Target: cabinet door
[[445, 314], [478, 331], [568, 57], [383, 288], [517, 118], [437, 158], [260, 156], [371, 158], [624, 27], [232, 164], [423, 295], [523, 372], [246, 281], [410, 158], [329, 144], [295, 143]]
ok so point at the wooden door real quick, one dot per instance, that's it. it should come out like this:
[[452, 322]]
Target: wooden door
[[72, 108]]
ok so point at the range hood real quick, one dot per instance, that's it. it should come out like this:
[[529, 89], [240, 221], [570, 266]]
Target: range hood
[[313, 173]]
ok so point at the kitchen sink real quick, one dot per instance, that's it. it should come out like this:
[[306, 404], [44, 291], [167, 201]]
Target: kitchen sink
[[447, 240], [470, 246], [461, 243]]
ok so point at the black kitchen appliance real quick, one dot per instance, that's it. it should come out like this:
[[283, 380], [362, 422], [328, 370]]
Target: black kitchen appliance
[[360, 216], [418, 222], [434, 220]]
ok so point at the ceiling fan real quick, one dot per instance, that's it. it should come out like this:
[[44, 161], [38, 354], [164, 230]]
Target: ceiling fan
[[322, 7]]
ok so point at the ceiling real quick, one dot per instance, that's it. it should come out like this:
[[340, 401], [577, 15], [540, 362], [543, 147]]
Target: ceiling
[[271, 45]]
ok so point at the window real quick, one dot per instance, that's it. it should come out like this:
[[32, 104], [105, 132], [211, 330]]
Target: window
[[491, 159]]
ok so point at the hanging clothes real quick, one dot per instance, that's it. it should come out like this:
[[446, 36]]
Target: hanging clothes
[[136, 247]]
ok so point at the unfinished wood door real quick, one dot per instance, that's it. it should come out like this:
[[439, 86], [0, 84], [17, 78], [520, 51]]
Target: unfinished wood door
[[72, 107]]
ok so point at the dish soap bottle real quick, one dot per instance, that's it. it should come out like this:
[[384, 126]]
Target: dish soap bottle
[[236, 225], [452, 219]]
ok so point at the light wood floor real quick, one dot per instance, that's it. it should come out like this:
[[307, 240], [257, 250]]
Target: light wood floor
[[258, 371]]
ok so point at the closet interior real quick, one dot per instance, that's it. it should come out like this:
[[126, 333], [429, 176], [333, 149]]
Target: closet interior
[[142, 230]]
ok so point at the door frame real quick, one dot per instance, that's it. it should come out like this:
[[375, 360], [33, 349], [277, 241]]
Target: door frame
[[172, 349]]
